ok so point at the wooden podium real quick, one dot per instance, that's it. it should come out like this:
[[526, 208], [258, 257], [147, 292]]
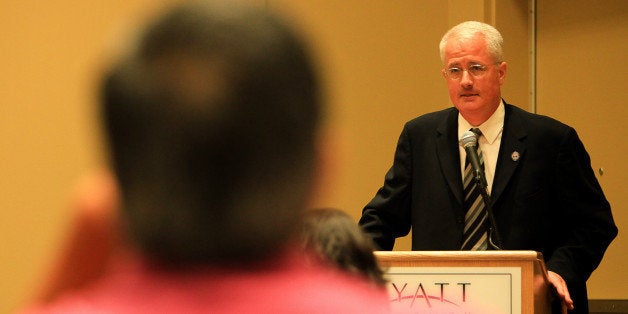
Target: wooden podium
[[466, 281]]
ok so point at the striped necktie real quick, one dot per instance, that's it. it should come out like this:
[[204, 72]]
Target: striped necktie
[[475, 237]]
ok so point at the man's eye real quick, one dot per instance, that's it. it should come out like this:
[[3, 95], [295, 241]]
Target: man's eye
[[454, 70], [477, 68]]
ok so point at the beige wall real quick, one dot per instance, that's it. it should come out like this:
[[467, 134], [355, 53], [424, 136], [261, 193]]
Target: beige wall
[[381, 63]]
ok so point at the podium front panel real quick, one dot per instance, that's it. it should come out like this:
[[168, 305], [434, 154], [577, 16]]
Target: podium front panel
[[470, 282], [455, 289]]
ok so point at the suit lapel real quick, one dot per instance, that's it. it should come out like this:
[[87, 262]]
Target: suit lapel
[[512, 149], [448, 155]]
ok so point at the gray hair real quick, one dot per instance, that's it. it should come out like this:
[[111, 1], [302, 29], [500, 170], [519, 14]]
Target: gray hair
[[467, 30]]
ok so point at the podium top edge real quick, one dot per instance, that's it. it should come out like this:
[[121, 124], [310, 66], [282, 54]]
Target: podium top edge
[[459, 255]]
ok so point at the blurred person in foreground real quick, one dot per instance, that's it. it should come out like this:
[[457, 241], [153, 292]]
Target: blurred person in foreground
[[212, 122], [331, 235], [544, 194]]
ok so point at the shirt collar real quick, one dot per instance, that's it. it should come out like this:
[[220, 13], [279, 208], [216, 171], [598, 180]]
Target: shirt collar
[[491, 128]]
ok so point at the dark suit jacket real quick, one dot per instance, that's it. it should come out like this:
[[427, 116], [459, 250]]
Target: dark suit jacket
[[548, 200]]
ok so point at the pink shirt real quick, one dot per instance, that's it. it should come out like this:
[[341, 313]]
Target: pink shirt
[[288, 284]]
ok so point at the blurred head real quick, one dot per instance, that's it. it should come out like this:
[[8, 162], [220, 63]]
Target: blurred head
[[473, 69], [336, 239], [211, 122]]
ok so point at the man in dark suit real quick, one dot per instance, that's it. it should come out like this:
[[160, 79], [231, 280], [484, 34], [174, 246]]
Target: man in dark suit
[[544, 194]]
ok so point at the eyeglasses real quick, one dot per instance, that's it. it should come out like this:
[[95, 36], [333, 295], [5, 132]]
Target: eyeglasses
[[475, 70]]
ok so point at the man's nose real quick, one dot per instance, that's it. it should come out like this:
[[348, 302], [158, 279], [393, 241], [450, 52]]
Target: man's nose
[[466, 80]]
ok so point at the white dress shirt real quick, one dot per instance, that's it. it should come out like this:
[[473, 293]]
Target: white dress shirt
[[489, 141]]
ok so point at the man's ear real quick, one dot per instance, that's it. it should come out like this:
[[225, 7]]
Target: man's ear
[[502, 69]]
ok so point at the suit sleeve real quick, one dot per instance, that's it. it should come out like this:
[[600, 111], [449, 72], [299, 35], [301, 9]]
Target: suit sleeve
[[588, 222], [387, 215]]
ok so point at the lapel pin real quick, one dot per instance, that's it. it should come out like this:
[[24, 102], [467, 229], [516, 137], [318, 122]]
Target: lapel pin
[[515, 156]]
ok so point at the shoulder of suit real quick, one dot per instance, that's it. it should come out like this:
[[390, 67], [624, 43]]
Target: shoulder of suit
[[533, 122], [538, 118]]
